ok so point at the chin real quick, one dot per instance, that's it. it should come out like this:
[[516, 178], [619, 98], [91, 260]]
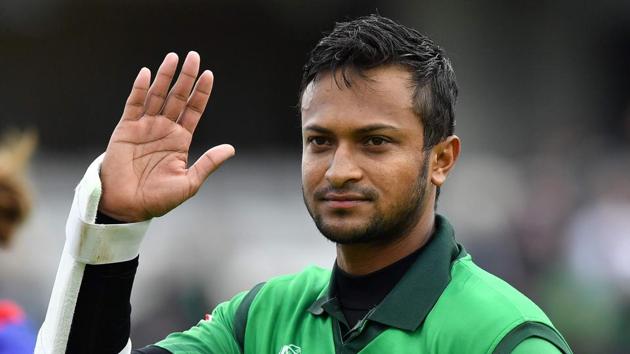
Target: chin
[[344, 233]]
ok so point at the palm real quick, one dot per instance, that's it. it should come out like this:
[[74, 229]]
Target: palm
[[156, 156], [145, 173]]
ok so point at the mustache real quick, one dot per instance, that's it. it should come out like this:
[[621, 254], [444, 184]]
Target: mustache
[[364, 192]]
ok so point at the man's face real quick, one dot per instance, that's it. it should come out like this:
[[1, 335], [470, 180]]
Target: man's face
[[364, 173]]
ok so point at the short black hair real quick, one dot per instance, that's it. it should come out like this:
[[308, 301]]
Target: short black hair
[[374, 41]]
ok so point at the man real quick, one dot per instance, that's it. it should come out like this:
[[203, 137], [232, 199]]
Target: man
[[377, 104]]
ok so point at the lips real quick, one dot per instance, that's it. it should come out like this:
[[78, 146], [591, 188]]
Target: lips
[[344, 200], [343, 197]]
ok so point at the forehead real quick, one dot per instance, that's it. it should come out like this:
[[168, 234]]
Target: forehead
[[381, 95]]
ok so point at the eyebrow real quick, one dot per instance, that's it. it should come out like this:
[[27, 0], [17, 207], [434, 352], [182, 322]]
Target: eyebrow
[[363, 130]]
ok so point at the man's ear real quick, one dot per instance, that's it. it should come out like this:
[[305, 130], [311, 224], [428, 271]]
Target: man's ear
[[443, 158]]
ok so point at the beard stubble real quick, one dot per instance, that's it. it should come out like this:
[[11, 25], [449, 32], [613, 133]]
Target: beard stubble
[[384, 227]]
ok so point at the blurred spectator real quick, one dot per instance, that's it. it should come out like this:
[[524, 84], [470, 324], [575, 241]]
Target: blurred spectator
[[16, 335]]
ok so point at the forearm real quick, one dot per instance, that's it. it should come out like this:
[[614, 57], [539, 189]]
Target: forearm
[[145, 174], [100, 323], [90, 298]]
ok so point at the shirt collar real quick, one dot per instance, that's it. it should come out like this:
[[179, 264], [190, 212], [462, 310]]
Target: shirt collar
[[411, 300]]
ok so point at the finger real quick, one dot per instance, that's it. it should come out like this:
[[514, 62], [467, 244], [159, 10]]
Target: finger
[[157, 92], [208, 163], [197, 102], [135, 102], [178, 96]]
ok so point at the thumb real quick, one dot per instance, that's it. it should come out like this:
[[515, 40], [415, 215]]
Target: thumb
[[208, 163]]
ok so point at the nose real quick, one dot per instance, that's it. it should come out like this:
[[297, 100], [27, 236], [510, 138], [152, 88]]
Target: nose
[[343, 168]]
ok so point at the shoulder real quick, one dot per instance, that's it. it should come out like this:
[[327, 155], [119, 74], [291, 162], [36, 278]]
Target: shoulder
[[486, 296], [481, 309], [311, 281], [307, 284]]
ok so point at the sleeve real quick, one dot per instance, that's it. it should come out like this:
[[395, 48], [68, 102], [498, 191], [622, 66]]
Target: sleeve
[[152, 349], [535, 346], [213, 336], [97, 267], [532, 334]]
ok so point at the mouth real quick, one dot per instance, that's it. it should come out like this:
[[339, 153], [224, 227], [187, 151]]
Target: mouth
[[343, 201]]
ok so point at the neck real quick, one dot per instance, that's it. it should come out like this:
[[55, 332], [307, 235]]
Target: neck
[[361, 259]]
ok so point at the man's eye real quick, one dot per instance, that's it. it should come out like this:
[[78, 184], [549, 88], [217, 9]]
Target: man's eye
[[318, 140], [376, 141]]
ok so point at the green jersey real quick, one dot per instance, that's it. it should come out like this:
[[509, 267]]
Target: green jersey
[[443, 304]]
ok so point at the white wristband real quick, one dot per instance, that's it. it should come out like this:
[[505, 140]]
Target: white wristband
[[92, 243]]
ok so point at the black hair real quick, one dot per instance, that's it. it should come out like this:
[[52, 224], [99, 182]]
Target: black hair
[[374, 41]]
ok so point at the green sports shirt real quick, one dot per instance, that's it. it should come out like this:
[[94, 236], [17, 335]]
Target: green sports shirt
[[443, 304]]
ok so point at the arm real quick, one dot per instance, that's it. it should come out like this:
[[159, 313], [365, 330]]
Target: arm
[[88, 246], [143, 174], [536, 345]]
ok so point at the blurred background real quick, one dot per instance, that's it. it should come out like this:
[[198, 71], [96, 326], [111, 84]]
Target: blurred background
[[540, 197]]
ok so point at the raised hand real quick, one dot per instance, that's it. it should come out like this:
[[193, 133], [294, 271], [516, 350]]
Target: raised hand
[[145, 170]]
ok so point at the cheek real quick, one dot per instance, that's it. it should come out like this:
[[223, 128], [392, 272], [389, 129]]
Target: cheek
[[396, 180], [312, 173]]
